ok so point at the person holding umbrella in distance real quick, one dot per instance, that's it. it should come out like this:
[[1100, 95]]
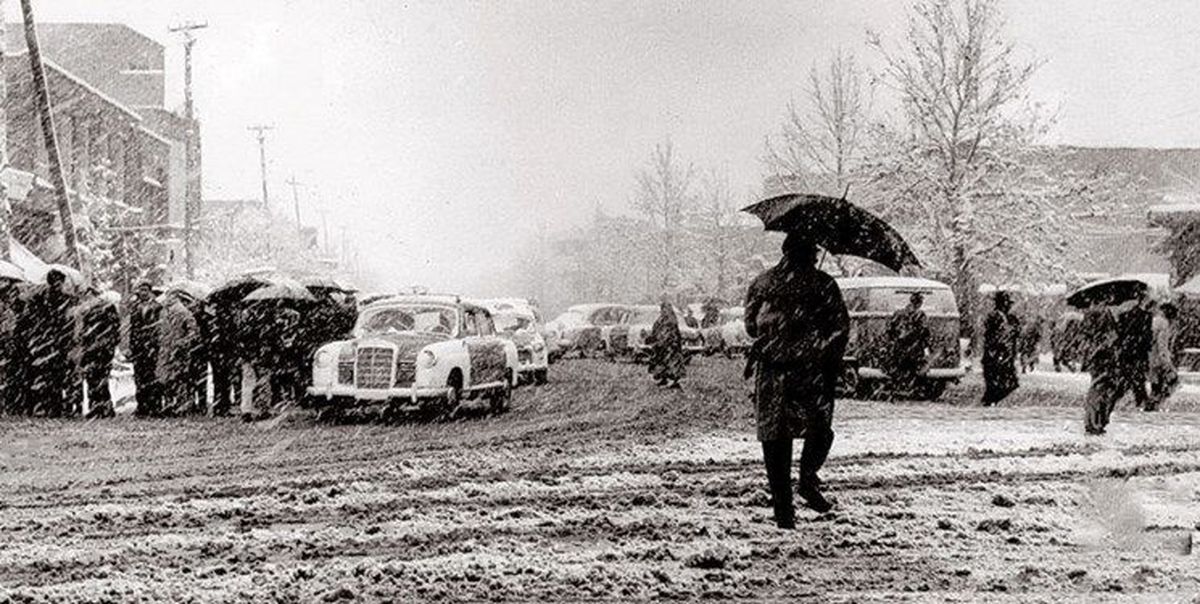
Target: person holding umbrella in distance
[[800, 325]]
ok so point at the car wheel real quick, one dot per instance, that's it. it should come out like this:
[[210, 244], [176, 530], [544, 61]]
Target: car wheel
[[331, 414], [450, 406], [541, 377], [502, 397], [930, 390]]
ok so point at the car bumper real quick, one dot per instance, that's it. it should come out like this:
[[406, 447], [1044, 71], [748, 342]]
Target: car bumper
[[343, 392], [945, 373]]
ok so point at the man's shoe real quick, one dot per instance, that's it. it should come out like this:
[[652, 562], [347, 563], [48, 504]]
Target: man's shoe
[[813, 499]]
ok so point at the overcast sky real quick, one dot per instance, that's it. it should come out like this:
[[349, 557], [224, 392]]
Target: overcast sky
[[443, 134]]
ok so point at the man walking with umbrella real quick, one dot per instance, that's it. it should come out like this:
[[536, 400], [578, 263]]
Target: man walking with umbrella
[[1109, 306], [800, 324]]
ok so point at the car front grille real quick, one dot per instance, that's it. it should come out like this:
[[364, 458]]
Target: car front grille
[[345, 374], [373, 368], [406, 372]]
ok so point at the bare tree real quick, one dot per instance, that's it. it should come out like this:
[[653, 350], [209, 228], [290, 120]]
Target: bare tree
[[821, 142], [963, 177], [716, 224], [665, 198]]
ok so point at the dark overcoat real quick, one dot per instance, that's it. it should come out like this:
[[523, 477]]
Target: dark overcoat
[[800, 325], [667, 361]]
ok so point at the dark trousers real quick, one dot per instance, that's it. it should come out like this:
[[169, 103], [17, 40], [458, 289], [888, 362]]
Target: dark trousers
[[777, 457], [95, 378], [52, 386], [224, 372], [149, 401]]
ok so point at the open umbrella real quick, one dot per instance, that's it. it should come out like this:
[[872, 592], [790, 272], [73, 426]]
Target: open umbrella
[[11, 272], [192, 289], [281, 289], [836, 225], [74, 277], [236, 289], [326, 283], [1108, 291]]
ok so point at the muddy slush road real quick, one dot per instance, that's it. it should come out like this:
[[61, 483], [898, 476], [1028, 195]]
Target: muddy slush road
[[598, 486]]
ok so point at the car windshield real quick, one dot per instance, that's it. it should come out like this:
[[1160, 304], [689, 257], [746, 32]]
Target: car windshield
[[399, 319], [570, 318], [510, 321], [891, 299], [643, 316]]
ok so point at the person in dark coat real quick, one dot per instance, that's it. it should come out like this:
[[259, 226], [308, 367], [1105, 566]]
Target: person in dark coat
[[667, 361], [99, 334], [222, 344], [1164, 378], [1109, 383], [50, 329], [177, 335], [909, 337], [1066, 342], [10, 375], [1031, 340], [201, 356], [711, 316], [143, 349], [267, 331], [800, 326], [1134, 341], [1000, 333]]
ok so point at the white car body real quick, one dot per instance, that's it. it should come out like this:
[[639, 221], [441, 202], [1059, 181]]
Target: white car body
[[419, 364], [519, 321], [734, 339]]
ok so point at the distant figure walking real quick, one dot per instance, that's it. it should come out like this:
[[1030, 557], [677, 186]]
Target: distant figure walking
[[1163, 375], [1066, 342], [667, 362], [143, 349], [1109, 382], [1031, 340], [800, 325], [176, 344], [1134, 341], [1000, 332], [909, 337]]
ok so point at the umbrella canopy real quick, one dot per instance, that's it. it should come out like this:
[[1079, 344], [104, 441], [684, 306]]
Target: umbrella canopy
[[192, 289], [235, 290], [836, 225], [11, 272], [74, 277], [327, 283], [1107, 291], [281, 289]]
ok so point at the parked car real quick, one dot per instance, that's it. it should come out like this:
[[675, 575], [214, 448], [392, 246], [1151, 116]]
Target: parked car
[[734, 339], [627, 340], [581, 329], [416, 352], [871, 302], [519, 321]]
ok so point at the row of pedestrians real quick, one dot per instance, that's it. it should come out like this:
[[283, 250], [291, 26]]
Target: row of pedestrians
[[57, 350]]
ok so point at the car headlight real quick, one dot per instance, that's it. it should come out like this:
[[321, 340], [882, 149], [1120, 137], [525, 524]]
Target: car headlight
[[428, 359], [324, 358]]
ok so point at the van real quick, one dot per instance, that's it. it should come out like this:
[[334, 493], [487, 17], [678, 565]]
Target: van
[[871, 302]]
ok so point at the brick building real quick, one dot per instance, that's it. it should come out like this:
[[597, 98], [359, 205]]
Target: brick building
[[115, 136]]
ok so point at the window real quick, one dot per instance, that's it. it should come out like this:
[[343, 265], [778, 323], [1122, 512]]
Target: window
[[471, 325]]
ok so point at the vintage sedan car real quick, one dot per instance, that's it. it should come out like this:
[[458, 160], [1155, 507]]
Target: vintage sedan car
[[871, 302], [627, 340], [519, 321], [582, 328], [427, 352], [734, 339]]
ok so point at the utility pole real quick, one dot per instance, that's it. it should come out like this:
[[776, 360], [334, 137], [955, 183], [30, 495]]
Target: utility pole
[[5, 208], [324, 225], [296, 201], [262, 160], [42, 97], [191, 203]]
